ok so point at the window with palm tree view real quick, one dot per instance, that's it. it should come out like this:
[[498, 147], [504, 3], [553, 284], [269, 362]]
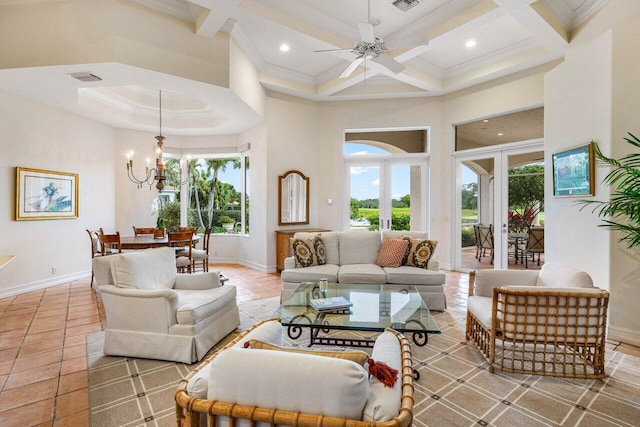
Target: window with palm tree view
[[217, 194]]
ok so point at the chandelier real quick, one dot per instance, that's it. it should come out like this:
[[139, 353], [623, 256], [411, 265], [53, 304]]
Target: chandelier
[[157, 175]]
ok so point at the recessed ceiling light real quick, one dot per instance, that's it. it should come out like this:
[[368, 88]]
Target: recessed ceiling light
[[470, 43], [486, 120], [500, 134], [284, 47]]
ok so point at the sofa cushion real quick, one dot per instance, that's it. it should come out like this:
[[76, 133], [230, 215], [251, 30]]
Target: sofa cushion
[[308, 252], [263, 378], [199, 304], [392, 252], [397, 234], [361, 273], [330, 239], [269, 331], [384, 402], [357, 356], [149, 269], [359, 247], [559, 275], [420, 252], [406, 275], [311, 274], [488, 279]]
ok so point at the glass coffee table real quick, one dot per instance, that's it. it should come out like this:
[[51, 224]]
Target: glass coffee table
[[375, 308]]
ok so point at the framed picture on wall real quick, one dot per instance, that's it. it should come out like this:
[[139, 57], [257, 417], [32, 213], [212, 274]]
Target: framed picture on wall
[[43, 194], [573, 172]]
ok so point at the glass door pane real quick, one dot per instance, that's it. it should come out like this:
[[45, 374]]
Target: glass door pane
[[365, 197], [406, 197]]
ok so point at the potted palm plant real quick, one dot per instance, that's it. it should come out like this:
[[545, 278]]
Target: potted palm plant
[[622, 211], [226, 222]]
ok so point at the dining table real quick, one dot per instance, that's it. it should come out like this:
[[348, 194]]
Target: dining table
[[146, 241]]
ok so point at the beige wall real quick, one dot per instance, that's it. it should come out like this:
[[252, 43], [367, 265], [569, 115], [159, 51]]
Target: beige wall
[[37, 136]]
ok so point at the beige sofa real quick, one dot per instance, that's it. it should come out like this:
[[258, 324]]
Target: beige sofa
[[153, 312], [351, 259]]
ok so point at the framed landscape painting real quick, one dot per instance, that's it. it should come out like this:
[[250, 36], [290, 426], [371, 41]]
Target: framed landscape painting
[[43, 194], [573, 172]]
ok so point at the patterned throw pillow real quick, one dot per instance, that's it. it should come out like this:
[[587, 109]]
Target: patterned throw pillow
[[419, 252], [308, 252], [392, 252]]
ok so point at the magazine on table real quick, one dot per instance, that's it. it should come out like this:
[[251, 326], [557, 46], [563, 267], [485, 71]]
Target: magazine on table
[[330, 304]]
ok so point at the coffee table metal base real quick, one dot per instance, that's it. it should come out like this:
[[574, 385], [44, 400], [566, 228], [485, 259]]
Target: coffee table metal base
[[294, 331]]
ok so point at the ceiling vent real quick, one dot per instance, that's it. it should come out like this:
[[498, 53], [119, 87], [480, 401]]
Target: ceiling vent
[[405, 5], [85, 77]]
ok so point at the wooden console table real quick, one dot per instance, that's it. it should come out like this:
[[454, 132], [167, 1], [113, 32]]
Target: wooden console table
[[283, 248]]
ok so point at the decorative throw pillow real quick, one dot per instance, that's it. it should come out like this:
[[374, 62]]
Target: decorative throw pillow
[[420, 251], [308, 252], [392, 252], [360, 357]]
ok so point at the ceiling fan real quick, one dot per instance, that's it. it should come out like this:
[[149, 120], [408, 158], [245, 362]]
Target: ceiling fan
[[372, 48]]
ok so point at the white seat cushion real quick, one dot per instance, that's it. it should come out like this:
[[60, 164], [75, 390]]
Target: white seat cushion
[[361, 273], [290, 382], [197, 305], [311, 274], [481, 308], [407, 275], [199, 254]]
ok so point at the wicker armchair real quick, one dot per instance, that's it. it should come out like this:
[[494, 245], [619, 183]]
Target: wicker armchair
[[535, 327], [193, 411]]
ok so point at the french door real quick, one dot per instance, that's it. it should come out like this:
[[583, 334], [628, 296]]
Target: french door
[[390, 192], [482, 177]]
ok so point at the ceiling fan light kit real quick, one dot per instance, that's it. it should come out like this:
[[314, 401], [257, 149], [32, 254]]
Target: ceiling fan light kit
[[372, 48]]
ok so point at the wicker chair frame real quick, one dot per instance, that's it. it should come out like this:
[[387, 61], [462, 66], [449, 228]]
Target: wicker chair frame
[[556, 347], [188, 409]]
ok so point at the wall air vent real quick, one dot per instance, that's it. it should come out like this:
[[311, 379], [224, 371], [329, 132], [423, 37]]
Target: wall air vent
[[405, 5], [85, 77]]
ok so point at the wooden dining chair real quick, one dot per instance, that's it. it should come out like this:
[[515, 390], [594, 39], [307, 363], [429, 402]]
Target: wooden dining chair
[[96, 247], [182, 241], [143, 230], [111, 243], [202, 255]]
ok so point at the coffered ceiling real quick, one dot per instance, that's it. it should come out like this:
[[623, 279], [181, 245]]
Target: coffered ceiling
[[509, 36]]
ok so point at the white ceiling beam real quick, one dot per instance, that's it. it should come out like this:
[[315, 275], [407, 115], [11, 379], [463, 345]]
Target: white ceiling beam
[[536, 17], [214, 15]]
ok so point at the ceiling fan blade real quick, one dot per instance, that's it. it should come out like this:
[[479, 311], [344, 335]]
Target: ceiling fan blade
[[410, 41], [366, 32], [389, 63], [347, 72], [332, 50]]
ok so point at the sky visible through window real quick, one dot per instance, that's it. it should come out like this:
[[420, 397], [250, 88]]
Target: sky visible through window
[[365, 180]]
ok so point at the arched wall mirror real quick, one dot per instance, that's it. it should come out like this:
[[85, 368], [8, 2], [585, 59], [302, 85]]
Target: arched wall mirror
[[293, 198]]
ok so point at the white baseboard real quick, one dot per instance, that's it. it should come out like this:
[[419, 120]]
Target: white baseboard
[[58, 280], [627, 336], [259, 267]]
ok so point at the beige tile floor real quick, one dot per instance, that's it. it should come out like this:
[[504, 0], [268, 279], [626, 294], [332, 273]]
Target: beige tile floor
[[43, 374]]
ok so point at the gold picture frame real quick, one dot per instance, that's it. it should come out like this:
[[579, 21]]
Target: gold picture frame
[[44, 194], [574, 172]]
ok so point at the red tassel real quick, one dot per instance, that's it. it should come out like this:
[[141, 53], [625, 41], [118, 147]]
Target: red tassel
[[385, 373], [246, 344]]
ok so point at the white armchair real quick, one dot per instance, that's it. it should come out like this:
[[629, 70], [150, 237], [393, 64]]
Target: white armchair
[[153, 312], [547, 322]]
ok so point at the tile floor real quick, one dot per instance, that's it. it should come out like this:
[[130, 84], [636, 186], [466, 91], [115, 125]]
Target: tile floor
[[43, 377]]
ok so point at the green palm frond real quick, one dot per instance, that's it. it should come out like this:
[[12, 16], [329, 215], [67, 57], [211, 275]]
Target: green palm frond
[[622, 211]]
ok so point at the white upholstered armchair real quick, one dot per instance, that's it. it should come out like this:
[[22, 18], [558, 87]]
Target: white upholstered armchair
[[153, 312], [547, 322]]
